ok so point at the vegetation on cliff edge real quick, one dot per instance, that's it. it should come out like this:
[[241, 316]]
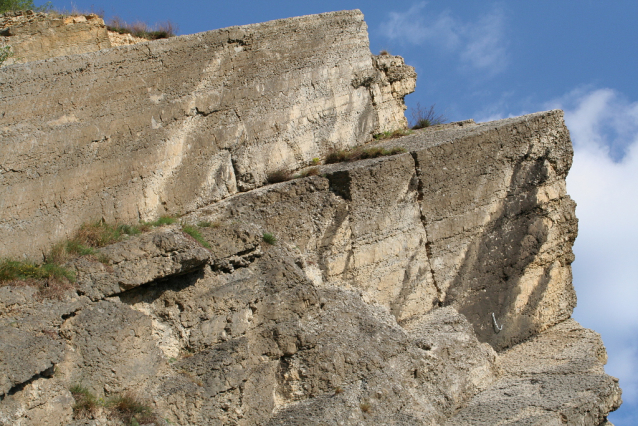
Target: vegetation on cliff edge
[[53, 279], [10, 5]]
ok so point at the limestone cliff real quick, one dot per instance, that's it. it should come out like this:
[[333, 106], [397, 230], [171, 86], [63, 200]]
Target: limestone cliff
[[36, 36], [172, 125], [429, 287]]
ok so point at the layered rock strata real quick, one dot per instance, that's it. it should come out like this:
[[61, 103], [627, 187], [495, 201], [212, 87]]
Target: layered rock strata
[[35, 36], [344, 320], [430, 287], [172, 125]]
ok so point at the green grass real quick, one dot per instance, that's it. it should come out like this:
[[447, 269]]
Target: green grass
[[341, 156], [392, 134], [86, 404], [163, 220], [269, 238], [127, 408], [194, 232], [52, 278], [89, 237], [7, 5], [11, 270], [5, 53]]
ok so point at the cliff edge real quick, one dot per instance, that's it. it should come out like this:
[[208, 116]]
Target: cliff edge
[[428, 286]]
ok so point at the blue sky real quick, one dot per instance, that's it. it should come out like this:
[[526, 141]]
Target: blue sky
[[488, 60]]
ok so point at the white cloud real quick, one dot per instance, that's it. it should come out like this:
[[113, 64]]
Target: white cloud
[[485, 47], [479, 45], [604, 182]]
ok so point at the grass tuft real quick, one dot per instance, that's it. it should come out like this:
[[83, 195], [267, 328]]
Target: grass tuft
[[277, 176], [131, 410], [163, 220], [194, 232], [269, 238], [89, 237], [11, 270], [86, 404], [422, 118], [141, 29], [392, 134], [341, 156], [313, 171]]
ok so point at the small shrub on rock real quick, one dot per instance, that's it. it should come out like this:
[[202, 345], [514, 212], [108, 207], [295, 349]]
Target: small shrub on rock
[[131, 410], [142, 30], [422, 118]]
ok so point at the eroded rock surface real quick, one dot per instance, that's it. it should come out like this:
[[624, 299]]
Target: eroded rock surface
[[431, 287], [198, 118], [356, 315], [34, 36]]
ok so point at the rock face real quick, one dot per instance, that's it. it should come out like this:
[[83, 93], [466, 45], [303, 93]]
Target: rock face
[[198, 117], [430, 287], [34, 36]]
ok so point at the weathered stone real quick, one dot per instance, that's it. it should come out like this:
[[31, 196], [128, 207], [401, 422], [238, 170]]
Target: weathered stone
[[463, 219], [114, 349], [38, 36], [262, 97], [24, 357], [429, 287], [162, 253], [555, 378]]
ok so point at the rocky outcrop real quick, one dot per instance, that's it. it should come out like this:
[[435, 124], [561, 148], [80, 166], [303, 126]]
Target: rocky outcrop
[[429, 287], [473, 216], [344, 320], [260, 98], [35, 36]]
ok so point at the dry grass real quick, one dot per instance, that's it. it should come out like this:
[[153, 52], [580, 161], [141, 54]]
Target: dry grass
[[313, 171], [341, 156], [141, 29], [86, 404], [277, 176], [422, 117], [131, 410], [127, 408], [392, 134]]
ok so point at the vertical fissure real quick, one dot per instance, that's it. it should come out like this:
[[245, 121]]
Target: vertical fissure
[[428, 244]]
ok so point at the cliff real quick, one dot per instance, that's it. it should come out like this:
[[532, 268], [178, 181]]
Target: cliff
[[35, 36], [172, 125], [432, 286]]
